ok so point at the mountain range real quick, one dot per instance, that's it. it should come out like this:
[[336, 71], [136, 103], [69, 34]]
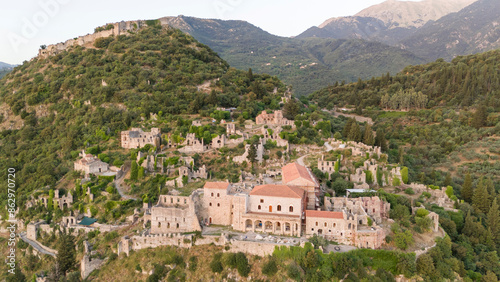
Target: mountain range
[[379, 39], [5, 68], [387, 22], [306, 64]]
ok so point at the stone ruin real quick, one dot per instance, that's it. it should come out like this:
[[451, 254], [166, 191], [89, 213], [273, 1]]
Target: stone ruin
[[193, 145], [58, 201], [120, 28], [187, 171], [438, 196], [274, 135], [89, 261], [260, 153]]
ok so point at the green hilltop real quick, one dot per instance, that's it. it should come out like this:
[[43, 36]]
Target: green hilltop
[[104, 89]]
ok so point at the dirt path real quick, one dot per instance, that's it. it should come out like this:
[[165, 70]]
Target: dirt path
[[356, 117], [119, 183]]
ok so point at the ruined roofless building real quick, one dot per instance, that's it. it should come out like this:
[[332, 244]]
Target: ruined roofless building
[[275, 118], [136, 138]]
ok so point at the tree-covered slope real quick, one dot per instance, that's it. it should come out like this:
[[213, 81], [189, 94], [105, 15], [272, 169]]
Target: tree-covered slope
[[70, 100], [306, 64], [465, 81]]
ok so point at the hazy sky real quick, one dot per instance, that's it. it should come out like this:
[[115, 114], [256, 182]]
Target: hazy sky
[[27, 24]]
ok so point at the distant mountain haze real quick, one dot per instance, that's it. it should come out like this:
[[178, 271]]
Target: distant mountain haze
[[476, 28], [408, 14], [388, 22]]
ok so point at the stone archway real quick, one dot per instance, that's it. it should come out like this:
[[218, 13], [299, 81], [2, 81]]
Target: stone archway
[[268, 226], [288, 227], [277, 227], [258, 225], [248, 225]]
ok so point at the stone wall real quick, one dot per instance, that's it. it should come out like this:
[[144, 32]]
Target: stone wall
[[88, 262], [186, 241], [120, 28], [174, 214]]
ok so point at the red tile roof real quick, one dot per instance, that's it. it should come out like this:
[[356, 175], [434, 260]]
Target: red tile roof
[[324, 214], [282, 191], [294, 171], [216, 185]]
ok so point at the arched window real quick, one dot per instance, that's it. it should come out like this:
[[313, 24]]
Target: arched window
[[218, 204], [291, 209], [316, 223], [210, 204], [177, 225], [159, 224], [258, 207], [212, 194], [335, 225], [218, 195], [325, 224], [278, 208]]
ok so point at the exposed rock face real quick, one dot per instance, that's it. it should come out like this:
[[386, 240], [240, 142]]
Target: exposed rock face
[[388, 22], [409, 14], [476, 28]]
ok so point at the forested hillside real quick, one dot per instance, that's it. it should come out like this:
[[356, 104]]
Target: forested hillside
[[440, 118], [465, 81], [74, 99], [306, 64]]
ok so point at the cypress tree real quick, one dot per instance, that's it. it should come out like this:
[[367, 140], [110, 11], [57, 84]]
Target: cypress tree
[[493, 220], [447, 180], [347, 128], [134, 171], [380, 180], [368, 138], [66, 254], [404, 175], [380, 140], [481, 199], [355, 133], [252, 154], [480, 116], [140, 173], [467, 188]]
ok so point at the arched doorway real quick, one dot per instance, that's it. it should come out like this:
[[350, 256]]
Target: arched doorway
[[248, 224]]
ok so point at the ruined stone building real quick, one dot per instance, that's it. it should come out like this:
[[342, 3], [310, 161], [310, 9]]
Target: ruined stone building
[[193, 145], [219, 141], [299, 176], [120, 28], [174, 214], [275, 118], [58, 201], [372, 206], [244, 157], [136, 138], [326, 166], [89, 164], [274, 135], [230, 129]]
